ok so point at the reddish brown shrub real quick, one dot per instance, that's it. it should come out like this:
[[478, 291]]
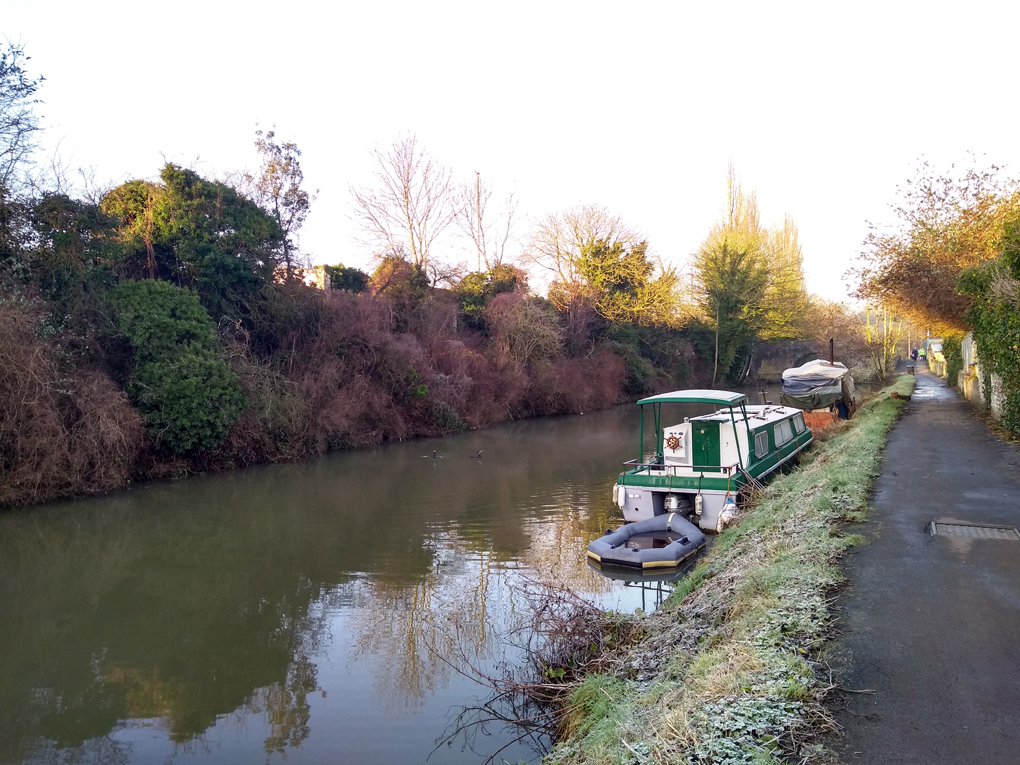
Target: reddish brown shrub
[[576, 385], [361, 382], [61, 433], [105, 434], [436, 319], [358, 414], [523, 331], [482, 392], [582, 326], [274, 425], [30, 427]]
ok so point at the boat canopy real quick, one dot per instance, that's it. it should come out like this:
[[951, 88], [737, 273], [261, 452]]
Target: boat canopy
[[717, 397], [696, 396], [817, 385]]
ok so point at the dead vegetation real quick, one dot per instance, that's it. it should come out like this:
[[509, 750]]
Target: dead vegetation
[[62, 430], [558, 640]]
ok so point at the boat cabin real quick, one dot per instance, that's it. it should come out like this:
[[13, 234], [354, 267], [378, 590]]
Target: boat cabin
[[701, 464]]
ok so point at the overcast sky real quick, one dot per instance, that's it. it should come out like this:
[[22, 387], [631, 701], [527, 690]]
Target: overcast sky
[[823, 108]]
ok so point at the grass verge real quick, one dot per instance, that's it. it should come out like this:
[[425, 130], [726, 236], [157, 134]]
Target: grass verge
[[730, 668]]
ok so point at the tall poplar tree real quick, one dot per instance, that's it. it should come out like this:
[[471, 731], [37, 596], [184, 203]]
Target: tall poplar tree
[[732, 274], [786, 299], [749, 281]]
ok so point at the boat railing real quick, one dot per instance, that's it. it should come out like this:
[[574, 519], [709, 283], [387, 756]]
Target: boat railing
[[636, 465]]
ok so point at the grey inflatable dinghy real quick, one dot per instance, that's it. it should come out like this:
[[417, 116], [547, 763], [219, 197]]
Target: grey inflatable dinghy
[[663, 541]]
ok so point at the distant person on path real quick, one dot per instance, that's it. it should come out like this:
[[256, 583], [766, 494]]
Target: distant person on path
[[921, 353], [913, 354]]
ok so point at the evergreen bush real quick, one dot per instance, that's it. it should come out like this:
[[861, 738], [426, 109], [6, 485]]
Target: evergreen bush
[[180, 381]]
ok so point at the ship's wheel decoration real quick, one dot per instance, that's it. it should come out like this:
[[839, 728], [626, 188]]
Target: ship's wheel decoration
[[673, 443]]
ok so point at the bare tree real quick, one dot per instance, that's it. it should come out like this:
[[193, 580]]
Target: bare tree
[[411, 205], [825, 320], [883, 332], [18, 122], [558, 241], [489, 232], [56, 174]]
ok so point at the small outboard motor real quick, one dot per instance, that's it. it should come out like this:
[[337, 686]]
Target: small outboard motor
[[727, 515]]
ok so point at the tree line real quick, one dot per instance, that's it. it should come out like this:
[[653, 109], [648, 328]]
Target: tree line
[[951, 264], [168, 325]]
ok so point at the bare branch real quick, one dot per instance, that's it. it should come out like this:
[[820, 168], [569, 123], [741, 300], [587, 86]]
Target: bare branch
[[18, 122], [489, 232], [411, 205]]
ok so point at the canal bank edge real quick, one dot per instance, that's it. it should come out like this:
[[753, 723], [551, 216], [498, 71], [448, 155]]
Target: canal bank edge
[[733, 667]]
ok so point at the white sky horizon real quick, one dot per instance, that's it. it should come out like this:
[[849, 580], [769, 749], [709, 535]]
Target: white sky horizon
[[822, 109]]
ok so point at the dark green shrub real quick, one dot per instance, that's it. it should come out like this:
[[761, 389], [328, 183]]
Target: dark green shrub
[[952, 349], [160, 319], [445, 417], [478, 288], [342, 277], [180, 382], [190, 402]]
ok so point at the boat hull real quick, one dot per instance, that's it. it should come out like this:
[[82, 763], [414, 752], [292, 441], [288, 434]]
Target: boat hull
[[642, 494]]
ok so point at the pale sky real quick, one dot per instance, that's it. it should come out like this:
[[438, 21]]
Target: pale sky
[[823, 108]]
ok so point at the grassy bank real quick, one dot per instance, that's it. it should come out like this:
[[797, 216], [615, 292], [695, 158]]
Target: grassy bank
[[731, 669]]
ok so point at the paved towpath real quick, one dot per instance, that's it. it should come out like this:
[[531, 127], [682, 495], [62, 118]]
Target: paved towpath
[[931, 624]]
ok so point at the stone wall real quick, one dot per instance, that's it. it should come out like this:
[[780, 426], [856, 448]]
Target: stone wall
[[771, 359], [968, 381]]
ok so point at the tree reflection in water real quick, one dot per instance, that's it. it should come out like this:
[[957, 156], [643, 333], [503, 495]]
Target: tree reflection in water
[[451, 613]]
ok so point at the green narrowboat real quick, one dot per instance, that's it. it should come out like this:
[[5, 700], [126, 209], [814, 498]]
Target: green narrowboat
[[701, 464]]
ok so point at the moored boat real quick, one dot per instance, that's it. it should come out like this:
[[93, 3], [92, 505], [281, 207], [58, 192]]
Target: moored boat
[[662, 542], [820, 388], [701, 464]]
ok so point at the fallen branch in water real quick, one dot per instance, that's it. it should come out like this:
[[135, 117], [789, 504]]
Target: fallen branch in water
[[557, 640]]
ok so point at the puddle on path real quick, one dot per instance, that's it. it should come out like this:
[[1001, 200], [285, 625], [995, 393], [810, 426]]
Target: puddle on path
[[933, 393]]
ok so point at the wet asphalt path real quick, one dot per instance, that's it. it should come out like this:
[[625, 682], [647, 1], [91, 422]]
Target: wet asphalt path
[[931, 624]]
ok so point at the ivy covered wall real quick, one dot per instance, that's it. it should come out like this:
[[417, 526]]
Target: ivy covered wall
[[994, 289]]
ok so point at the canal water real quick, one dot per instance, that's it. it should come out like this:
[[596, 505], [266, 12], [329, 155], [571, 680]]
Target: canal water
[[331, 611]]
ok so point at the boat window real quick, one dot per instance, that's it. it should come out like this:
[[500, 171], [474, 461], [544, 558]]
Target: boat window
[[783, 432], [761, 444], [798, 422]]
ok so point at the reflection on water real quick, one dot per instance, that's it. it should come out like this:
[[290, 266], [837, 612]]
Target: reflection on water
[[303, 611], [315, 612]]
